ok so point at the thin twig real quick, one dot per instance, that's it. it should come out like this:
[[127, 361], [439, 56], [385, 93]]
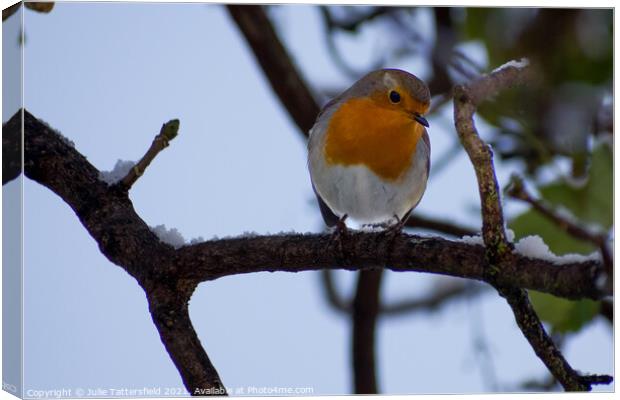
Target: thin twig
[[516, 190], [354, 23], [330, 26], [439, 225], [438, 297], [168, 131], [334, 299], [7, 12]]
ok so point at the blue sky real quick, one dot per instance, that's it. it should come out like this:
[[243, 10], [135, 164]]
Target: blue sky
[[107, 76]]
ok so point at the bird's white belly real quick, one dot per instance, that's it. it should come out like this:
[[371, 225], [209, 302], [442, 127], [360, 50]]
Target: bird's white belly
[[365, 197]]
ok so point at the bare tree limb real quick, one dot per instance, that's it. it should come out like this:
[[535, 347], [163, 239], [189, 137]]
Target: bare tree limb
[[423, 222], [169, 310], [352, 24], [124, 238], [331, 25], [334, 299], [7, 12], [436, 299], [11, 150], [498, 249]]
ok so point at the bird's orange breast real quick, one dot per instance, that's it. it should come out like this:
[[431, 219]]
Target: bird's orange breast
[[363, 133]]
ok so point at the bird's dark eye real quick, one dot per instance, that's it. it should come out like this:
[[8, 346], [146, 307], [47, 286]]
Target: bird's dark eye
[[394, 96]]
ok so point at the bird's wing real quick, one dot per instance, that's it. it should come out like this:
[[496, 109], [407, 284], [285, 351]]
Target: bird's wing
[[427, 141], [328, 215]]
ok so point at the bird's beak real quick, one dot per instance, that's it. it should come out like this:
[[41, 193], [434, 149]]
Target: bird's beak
[[420, 119]]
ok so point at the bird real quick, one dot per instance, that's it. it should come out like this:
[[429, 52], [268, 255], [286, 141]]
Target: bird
[[369, 150]]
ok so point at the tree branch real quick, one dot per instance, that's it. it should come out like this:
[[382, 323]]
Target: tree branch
[[437, 298], [517, 190], [11, 148], [498, 249], [7, 12], [169, 310], [124, 238]]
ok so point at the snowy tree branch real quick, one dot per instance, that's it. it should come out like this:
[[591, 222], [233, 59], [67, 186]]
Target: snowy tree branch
[[499, 250], [517, 190], [124, 238]]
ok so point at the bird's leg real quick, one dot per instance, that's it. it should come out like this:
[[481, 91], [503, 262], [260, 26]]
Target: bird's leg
[[339, 233], [393, 230], [399, 225]]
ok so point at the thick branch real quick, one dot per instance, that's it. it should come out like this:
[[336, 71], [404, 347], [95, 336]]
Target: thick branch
[[276, 63], [367, 250], [127, 241], [169, 311], [11, 148]]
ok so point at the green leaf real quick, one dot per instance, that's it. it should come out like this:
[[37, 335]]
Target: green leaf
[[592, 203], [563, 315]]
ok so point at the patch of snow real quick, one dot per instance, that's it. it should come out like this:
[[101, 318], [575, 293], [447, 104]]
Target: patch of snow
[[601, 281], [197, 240], [121, 168], [370, 228], [477, 239], [65, 139], [566, 214], [522, 63], [510, 235], [248, 235], [576, 182], [535, 247], [170, 236]]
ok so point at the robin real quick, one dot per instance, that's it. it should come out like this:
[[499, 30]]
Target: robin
[[369, 152]]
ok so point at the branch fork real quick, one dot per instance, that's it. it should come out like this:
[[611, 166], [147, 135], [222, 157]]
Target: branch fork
[[499, 251]]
